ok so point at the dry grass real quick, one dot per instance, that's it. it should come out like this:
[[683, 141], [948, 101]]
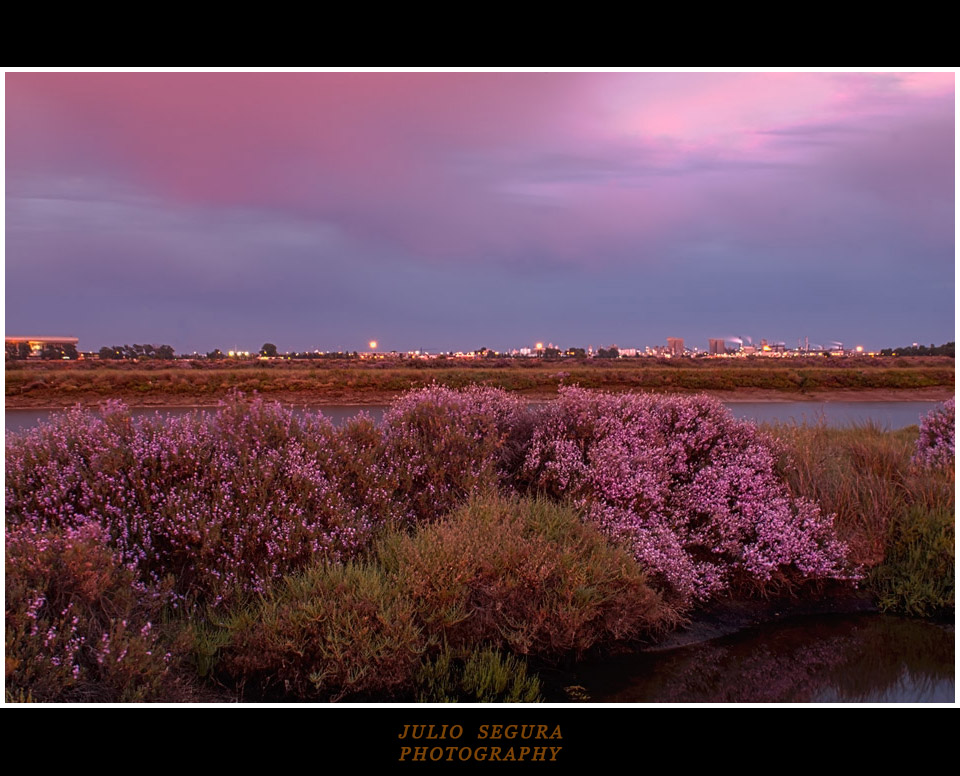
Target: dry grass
[[335, 380], [896, 516]]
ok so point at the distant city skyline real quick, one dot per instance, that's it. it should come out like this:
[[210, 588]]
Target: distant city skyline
[[731, 345], [444, 211]]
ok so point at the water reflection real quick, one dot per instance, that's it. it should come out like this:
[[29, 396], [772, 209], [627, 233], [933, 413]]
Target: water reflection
[[830, 659]]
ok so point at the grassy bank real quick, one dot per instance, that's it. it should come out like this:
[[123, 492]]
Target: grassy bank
[[194, 382], [897, 517], [447, 554]]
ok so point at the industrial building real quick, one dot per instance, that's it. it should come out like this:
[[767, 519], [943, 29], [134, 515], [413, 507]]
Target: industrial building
[[37, 344]]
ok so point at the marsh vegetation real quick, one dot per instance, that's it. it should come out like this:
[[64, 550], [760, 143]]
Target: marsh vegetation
[[451, 552]]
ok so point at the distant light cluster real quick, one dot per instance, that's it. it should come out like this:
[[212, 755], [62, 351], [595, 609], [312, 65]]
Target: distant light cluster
[[736, 347]]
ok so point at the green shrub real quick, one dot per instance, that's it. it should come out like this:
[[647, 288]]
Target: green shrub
[[917, 576], [330, 632], [525, 576]]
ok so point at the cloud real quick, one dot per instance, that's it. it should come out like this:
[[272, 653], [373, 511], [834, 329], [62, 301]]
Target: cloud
[[199, 186]]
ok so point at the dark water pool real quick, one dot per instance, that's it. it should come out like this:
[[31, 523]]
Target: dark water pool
[[815, 659]]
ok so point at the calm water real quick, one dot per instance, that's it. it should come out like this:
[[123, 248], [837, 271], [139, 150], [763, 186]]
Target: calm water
[[816, 659], [891, 415]]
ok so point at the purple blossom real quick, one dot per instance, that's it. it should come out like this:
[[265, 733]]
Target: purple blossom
[[204, 507], [935, 446], [219, 503], [693, 491]]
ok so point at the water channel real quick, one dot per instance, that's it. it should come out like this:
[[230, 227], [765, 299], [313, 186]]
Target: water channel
[[863, 658], [889, 415]]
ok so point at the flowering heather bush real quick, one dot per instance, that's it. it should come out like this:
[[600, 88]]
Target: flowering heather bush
[[691, 489], [444, 445], [212, 506], [76, 627], [222, 503], [935, 447]]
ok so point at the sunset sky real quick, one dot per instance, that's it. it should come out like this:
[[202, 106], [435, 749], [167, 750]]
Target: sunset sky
[[460, 210]]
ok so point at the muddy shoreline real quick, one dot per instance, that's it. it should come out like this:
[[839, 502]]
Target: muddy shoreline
[[327, 398]]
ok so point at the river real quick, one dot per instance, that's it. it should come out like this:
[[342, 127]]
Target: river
[[890, 415]]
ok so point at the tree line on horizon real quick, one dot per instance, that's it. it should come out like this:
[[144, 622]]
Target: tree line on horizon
[[120, 352], [921, 350]]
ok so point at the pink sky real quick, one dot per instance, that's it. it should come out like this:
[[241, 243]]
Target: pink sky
[[576, 172]]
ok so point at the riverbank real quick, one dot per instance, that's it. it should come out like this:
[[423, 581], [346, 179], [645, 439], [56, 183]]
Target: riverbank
[[193, 383], [320, 399]]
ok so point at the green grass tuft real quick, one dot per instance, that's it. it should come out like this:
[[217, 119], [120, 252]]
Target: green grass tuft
[[917, 576], [483, 676]]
